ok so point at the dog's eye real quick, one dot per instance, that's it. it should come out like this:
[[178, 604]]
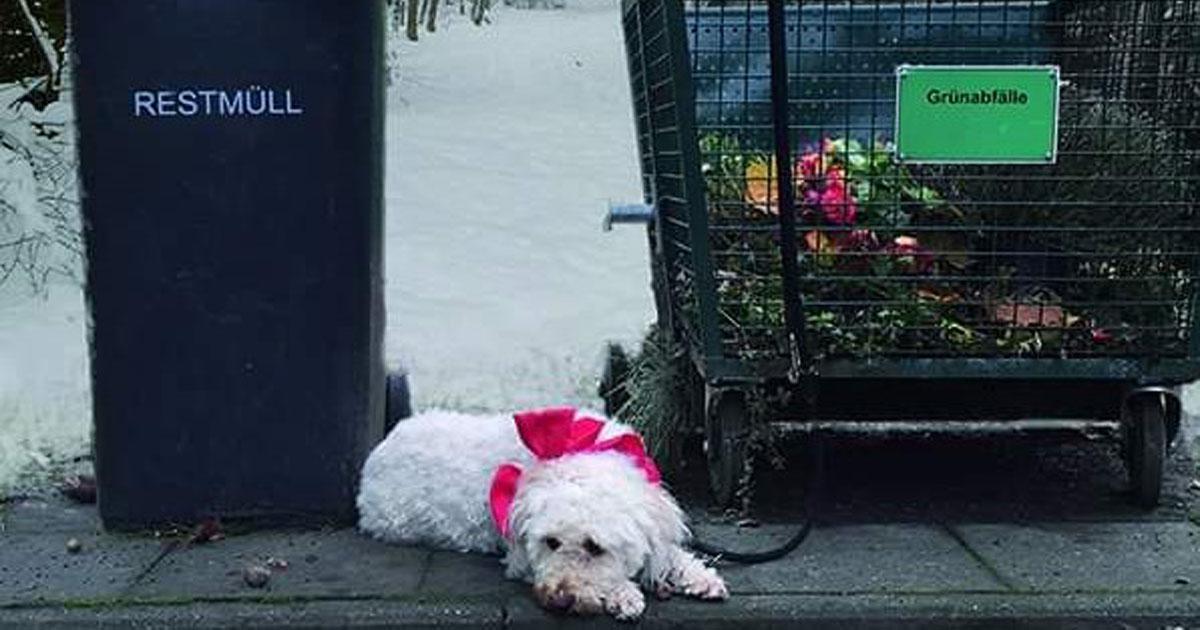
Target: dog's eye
[[592, 548], [553, 543]]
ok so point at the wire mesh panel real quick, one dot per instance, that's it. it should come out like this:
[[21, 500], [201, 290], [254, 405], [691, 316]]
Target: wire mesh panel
[[1095, 255], [731, 75]]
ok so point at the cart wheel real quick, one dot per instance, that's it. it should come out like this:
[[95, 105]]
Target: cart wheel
[[726, 418], [1147, 447]]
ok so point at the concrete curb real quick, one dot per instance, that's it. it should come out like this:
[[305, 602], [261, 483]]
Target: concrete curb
[[1157, 610], [296, 615]]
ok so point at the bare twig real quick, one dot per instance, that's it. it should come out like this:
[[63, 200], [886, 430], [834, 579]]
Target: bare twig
[[412, 9], [431, 18], [44, 43]]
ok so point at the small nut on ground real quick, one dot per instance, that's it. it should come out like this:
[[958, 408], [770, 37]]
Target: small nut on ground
[[256, 576], [74, 546]]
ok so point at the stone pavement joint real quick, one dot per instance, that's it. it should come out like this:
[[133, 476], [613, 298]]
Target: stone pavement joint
[[987, 566]]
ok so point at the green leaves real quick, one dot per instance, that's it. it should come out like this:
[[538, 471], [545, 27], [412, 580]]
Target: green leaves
[[723, 165]]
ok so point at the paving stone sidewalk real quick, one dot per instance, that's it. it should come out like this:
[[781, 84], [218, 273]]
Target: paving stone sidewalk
[[1094, 574], [923, 535]]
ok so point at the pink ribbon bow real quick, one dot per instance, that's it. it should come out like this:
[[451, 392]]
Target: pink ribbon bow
[[554, 432]]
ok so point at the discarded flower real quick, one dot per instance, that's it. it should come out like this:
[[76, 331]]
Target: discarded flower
[[862, 240], [838, 208], [820, 242], [760, 186], [941, 295], [810, 167], [910, 254], [837, 204]]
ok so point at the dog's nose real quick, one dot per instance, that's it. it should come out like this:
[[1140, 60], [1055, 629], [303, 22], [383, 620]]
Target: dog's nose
[[561, 601]]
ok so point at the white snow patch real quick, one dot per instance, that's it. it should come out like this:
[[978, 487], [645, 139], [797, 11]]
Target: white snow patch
[[1190, 427], [18, 195], [504, 146], [45, 397]]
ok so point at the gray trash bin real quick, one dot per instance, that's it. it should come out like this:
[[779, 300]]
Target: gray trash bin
[[231, 165]]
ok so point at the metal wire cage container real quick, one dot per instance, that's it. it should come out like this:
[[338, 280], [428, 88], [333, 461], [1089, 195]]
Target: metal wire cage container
[[794, 246]]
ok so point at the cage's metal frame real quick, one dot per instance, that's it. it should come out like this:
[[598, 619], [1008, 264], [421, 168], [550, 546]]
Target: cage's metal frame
[[665, 113]]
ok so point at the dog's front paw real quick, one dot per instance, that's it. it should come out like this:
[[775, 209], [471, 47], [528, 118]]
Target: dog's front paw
[[625, 603], [706, 585]]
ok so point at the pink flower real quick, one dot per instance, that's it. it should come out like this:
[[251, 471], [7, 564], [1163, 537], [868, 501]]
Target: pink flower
[[1100, 335], [810, 167], [838, 207], [835, 177], [836, 202]]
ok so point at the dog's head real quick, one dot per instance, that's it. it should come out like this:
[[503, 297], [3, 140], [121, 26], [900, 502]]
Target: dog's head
[[583, 524]]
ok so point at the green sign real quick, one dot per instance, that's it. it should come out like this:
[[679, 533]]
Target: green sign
[[977, 114]]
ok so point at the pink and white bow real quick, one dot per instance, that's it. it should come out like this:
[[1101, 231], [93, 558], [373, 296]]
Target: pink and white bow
[[554, 432]]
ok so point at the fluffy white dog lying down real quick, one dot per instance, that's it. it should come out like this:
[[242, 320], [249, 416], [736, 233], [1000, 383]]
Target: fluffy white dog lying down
[[571, 500]]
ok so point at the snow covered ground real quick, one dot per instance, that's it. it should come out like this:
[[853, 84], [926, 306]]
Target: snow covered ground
[[503, 146]]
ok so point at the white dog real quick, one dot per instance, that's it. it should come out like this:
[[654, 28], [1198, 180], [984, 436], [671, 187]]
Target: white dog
[[583, 515]]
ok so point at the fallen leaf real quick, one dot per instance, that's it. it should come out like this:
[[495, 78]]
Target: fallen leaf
[[1040, 315], [939, 294], [207, 531], [820, 242]]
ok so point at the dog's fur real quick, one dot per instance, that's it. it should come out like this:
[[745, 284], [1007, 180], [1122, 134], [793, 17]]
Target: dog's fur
[[586, 529]]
